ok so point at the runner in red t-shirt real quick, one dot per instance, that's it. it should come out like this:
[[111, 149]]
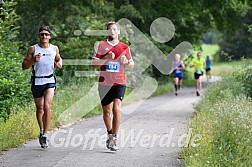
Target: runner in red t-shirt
[[111, 56]]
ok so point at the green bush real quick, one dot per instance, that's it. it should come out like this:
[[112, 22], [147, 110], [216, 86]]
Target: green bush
[[13, 82], [244, 75], [14, 89]]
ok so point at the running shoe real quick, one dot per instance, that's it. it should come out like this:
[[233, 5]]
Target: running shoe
[[109, 141], [197, 93], [113, 144], [44, 143], [40, 139]]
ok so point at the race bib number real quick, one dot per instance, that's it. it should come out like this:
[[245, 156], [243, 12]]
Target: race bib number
[[198, 72], [177, 71], [112, 66]]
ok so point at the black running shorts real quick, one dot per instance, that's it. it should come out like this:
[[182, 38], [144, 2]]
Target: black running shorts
[[208, 69], [39, 90], [109, 93], [198, 73]]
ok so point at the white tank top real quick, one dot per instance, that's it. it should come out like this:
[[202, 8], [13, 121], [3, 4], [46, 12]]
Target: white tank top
[[45, 66]]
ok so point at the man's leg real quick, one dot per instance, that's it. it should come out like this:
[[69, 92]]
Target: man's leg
[[48, 97], [116, 115], [39, 102], [107, 116], [46, 117], [107, 120], [106, 99], [115, 123], [105, 93]]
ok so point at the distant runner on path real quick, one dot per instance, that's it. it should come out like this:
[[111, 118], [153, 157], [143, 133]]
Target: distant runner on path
[[199, 64], [208, 67], [177, 70]]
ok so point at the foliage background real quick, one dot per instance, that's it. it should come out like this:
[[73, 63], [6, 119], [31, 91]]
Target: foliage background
[[193, 20], [227, 23]]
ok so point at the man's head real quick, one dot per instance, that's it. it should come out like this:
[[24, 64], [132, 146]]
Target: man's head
[[44, 33], [199, 55], [113, 30]]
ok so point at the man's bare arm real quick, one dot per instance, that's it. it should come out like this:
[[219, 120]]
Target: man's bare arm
[[29, 60], [58, 59]]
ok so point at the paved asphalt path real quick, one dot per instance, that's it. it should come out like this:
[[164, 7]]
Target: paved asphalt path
[[152, 135]]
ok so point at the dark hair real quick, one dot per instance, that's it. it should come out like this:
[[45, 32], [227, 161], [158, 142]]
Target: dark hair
[[44, 27], [111, 23]]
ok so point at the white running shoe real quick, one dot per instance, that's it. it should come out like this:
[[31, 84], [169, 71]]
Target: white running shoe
[[109, 141], [113, 144]]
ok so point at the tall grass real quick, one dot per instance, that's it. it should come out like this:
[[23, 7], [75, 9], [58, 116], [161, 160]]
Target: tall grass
[[68, 96], [224, 120], [20, 126]]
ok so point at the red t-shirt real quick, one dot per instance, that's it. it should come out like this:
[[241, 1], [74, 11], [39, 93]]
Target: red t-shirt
[[112, 73]]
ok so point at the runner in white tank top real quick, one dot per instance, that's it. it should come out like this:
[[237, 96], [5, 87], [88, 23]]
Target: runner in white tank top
[[43, 57]]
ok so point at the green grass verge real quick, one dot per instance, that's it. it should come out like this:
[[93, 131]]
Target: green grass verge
[[18, 128], [223, 119]]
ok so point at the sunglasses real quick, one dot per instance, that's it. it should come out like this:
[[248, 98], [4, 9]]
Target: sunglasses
[[46, 34]]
